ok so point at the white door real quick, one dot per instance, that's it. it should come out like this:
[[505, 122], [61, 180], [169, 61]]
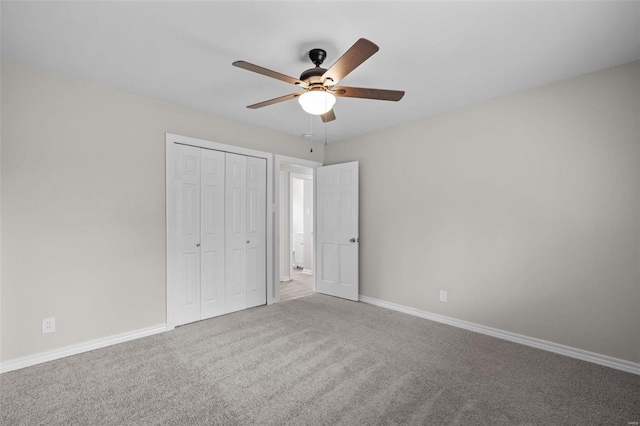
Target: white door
[[187, 235], [219, 233], [298, 250], [307, 239], [337, 230], [256, 231], [212, 233], [236, 232]]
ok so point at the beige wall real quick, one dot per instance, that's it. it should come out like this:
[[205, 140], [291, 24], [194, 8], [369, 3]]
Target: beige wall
[[526, 209], [83, 205]]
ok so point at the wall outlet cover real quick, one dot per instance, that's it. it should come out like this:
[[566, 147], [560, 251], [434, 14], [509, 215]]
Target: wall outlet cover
[[443, 296], [48, 325]]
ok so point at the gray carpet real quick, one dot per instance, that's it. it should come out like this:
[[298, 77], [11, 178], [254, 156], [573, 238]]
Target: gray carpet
[[318, 360]]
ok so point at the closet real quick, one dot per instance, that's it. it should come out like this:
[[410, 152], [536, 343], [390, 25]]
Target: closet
[[218, 231]]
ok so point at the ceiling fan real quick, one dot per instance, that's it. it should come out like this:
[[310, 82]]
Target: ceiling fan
[[320, 83]]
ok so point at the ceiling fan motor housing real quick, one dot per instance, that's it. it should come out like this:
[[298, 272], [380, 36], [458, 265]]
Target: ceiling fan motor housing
[[313, 76]]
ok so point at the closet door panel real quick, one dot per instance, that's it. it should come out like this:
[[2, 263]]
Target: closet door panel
[[256, 231], [236, 232], [212, 233], [187, 235]]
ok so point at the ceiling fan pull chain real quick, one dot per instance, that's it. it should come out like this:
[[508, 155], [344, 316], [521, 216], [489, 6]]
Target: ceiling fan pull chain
[[325, 134], [311, 130]]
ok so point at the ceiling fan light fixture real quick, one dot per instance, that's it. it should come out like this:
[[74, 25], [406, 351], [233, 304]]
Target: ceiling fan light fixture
[[317, 102], [320, 84]]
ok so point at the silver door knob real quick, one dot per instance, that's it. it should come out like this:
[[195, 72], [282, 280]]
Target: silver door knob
[[353, 240], [198, 245], [248, 241]]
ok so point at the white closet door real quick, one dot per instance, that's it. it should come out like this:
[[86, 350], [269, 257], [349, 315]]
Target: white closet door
[[236, 232], [217, 233], [186, 298], [337, 227], [256, 231], [212, 233]]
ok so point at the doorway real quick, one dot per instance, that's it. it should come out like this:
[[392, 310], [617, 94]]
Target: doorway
[[296, 225], [299, 281]]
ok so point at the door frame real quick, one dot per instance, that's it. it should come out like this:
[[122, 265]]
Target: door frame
[[300, 176], [292, 161], [170, 140]]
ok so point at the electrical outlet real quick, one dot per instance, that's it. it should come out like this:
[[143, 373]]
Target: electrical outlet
[[48, 325], [443, 296]]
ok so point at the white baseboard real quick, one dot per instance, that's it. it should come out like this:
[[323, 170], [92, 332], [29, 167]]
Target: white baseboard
[[285, 278], [607, 361], [39, 358], [307, 271]]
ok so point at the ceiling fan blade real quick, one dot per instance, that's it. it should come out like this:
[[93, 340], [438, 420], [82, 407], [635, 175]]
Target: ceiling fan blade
[[352, 58], [273, 74], [274, 101], [328, 116], [366, 93]]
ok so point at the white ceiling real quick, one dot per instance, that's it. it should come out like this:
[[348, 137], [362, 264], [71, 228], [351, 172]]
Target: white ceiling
[[445, 55]]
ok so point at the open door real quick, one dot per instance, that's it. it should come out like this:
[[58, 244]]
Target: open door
[[337, 230]]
